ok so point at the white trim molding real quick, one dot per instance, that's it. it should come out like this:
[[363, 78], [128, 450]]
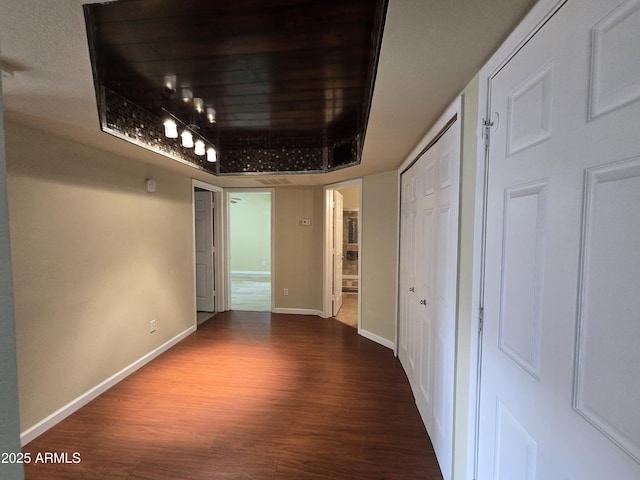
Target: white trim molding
[[251, 272], [298, 311], [45, 424], [375, 338]]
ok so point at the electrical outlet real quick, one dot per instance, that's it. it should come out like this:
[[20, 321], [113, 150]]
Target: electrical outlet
[[152, 326], [286, 292]]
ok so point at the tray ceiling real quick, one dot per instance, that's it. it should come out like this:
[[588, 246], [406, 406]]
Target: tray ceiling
[[279, 86]]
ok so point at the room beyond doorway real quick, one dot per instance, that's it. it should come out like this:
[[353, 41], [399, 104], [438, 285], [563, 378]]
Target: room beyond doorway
[[250, 250], [342, 258]]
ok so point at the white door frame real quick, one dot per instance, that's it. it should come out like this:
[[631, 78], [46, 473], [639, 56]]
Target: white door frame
[[219, 241], [227, 239], [534, 20], [327, 270]]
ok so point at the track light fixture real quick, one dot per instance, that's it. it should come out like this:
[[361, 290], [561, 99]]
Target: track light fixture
[[189, 138]]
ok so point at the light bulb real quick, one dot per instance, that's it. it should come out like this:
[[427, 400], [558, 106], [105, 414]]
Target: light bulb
[[211, 114], [170, 82], [198, 104], [199, 147], [212, 156], [187, 139], [170, 129]]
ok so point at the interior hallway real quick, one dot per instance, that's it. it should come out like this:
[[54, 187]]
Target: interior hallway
[[251, 395]]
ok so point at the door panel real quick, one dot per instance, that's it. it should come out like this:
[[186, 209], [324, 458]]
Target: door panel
[[559, 381], [407, 275], [610, 252], [338, 254], [205, 294], [523, 245]]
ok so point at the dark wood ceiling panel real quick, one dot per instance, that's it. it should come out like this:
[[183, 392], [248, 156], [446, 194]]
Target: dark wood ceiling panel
[[237, 10], [290, 73]]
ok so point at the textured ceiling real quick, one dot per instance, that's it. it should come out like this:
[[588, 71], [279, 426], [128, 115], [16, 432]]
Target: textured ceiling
[[430, 50]]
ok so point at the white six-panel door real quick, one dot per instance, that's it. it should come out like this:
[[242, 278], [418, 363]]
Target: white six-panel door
[[560, 369], [205, 254], [428, 274]]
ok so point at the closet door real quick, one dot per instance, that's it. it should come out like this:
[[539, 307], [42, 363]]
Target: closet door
[[429, 239], [407, 320], [560, 387]]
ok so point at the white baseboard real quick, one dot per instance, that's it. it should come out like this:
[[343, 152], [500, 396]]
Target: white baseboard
[[375, 338], [298, 311], [79, 402], [251, 272]]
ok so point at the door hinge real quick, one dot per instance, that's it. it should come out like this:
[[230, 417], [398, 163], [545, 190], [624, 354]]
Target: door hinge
[[480, 319], [486, 132]]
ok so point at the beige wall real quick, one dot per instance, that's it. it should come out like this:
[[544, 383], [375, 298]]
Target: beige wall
[[379, 251], [351, 197], [464, 333], [9, 418], [95, 259], [298, 249], [250, 232]]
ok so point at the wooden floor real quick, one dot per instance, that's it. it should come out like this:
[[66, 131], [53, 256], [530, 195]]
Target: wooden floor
[[251, 396]]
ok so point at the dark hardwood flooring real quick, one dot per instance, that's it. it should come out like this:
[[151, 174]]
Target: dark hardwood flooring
[[251, 396]]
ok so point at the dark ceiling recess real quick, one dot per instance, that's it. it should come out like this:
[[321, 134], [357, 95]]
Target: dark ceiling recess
[[276, 86]]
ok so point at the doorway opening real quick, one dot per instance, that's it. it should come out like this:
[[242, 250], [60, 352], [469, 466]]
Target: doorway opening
[[250, 256], [342, 252], [208, 248]]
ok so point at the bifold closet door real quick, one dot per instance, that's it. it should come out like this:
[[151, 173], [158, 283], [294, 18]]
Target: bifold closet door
[[428, 275]]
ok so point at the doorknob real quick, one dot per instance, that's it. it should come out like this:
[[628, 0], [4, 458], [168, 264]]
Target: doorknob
[[411, 289], [423, 302]]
